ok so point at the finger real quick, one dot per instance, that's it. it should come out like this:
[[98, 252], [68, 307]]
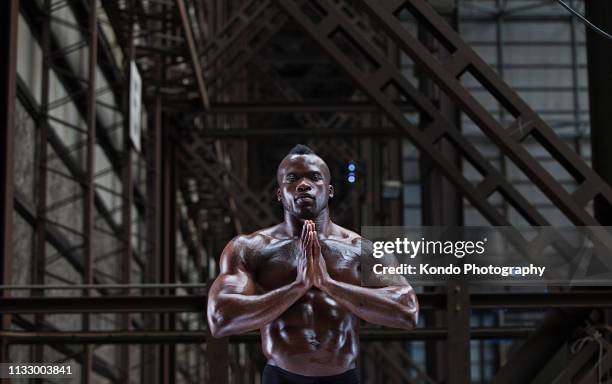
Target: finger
[[304, 232], [313, 239], [311, 253], [306, 229], [307, 242], [316, 248]]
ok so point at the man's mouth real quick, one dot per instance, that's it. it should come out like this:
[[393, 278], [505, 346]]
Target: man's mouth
[[303, 197]]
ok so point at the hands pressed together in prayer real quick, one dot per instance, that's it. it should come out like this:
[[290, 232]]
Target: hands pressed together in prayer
[[311, 268]]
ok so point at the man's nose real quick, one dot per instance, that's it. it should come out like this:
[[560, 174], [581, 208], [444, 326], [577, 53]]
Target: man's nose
[[303, 186]]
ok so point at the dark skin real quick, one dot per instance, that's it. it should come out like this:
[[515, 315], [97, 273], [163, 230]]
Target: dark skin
[[298, 282]]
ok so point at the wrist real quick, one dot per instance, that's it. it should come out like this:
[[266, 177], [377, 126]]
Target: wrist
[[301, 286], [325, 283]]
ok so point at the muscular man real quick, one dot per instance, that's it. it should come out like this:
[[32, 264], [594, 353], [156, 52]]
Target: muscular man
[[298, 283]]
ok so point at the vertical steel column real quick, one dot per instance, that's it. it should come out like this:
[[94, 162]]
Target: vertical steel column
[[88, 183], [457, 293], [217, 357], [600, 94], [127, 197], [375, 169], [599, 56], [151, 355], [38, 259], [499, 51], [8, 88], [168, 259], [393, 158], [575, 82], [442, 205], [217, 350]]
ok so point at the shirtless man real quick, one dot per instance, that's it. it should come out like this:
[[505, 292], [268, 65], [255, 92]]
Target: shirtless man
[[298, 282]]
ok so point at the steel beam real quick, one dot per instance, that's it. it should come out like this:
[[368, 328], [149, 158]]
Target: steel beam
[[39, 257], [600, 93], [76, 173], [152, 267], [199, 337], [529, 358], [100, 366], [195, 303], [386, 79], [509, 139], [443, 205], [8, 93], [235, 27], [74, 88], [127, 194], [458, 342], [600, 370], [168, 257], [202, 160], [299, 106], [568, 363], [334, 25], [193, 53], [89, 182], [217, 355], [238, 41]]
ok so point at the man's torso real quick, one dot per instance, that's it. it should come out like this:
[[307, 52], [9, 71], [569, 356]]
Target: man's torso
[[315, 334]]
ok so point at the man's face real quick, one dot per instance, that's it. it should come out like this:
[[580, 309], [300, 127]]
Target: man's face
[[304, 188]]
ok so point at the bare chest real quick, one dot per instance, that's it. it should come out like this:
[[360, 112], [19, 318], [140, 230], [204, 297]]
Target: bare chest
[[276, 265]]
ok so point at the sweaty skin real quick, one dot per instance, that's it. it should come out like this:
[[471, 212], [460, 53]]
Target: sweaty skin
[[298, 282]]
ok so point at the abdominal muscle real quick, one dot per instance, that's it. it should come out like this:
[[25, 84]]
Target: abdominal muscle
[[314, 337]]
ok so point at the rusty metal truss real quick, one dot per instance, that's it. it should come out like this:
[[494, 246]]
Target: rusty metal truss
[[200, 63], [330, 22]]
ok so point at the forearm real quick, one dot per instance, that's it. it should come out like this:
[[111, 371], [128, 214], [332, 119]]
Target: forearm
[[230, 313], [394, 306]]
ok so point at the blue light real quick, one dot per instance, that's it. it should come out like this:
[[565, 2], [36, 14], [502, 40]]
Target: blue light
[[351, 166], [351, 178]]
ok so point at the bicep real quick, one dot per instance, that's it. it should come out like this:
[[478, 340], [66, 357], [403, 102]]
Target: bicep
[[234, 278]]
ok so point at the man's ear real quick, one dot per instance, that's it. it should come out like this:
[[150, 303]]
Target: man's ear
[[331, 191], [278, 194]]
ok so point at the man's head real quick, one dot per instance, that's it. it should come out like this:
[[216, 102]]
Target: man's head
[[303, 183]]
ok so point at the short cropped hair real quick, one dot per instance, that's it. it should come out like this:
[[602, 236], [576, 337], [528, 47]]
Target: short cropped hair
[[301, 149]]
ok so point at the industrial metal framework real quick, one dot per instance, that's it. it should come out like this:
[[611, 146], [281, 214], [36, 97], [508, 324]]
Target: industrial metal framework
[[124, 236]]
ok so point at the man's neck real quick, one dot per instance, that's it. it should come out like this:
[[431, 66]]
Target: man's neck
[[293, 225]]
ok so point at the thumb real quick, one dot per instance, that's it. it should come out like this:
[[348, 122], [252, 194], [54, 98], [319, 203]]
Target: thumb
[[315, 249]]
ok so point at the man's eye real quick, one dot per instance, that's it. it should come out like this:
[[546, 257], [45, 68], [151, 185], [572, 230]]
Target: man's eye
[[290, 177], [316, 177]]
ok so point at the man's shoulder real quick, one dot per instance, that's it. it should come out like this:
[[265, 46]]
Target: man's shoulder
[[255, 240], [347, 236]]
